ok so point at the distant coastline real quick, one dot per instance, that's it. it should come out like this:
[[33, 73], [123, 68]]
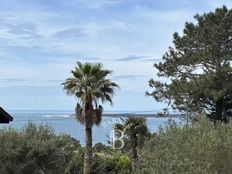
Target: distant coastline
[[143, 115], [65, 113]]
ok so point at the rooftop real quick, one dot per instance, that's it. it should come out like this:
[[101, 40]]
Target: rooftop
[[4, 116]]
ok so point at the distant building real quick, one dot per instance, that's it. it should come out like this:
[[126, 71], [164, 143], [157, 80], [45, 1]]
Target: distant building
[[4, 116]]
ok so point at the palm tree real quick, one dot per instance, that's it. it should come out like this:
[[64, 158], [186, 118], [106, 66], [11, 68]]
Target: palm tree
[[136, 131], [90, 85]]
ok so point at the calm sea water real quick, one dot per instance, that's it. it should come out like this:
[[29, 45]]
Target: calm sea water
[[64, 122]]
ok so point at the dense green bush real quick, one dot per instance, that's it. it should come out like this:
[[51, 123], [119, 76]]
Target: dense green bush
[[111, 163], [196, 147], [108, 160], [36, 150], [199, 147], [101, 148]]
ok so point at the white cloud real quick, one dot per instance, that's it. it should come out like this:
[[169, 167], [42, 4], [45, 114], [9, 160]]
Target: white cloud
[[106, 29]]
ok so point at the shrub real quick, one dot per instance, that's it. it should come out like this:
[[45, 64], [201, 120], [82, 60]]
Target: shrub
[[36, 149], [99, 147], [199, 147], [111, 163]]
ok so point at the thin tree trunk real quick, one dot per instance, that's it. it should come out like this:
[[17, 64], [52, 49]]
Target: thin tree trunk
[[88, 151], [134, 152], [219, 109]]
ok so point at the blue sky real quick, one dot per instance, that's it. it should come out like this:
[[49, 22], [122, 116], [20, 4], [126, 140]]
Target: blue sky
[[41, 40]]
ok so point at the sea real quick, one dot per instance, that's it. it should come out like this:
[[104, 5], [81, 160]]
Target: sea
[[64, 122]]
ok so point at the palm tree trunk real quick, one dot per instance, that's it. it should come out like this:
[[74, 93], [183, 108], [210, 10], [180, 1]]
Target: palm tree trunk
[[134, 152], [88, 150]]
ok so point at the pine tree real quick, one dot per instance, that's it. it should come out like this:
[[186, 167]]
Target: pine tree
[[199, 68]]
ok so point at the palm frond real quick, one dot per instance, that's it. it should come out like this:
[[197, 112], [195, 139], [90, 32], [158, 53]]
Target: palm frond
[[98, 115], [80, 114], [90, 85]]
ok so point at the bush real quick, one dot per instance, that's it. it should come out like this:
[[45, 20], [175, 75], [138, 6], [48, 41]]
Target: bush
[[36, 149], [111, 163], [199, 147], [102, 148]]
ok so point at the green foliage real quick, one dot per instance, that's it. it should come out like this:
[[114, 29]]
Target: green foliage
[[113, 163], [198, 67], [36, 149], [99, 148], [135, 133], [198, 147], [89, 83]]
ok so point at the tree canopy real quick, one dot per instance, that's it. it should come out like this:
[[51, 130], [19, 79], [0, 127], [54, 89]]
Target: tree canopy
[[89, 83], [198, 67]]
